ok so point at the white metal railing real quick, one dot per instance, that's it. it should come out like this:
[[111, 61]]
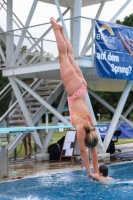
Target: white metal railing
[[47, 43]]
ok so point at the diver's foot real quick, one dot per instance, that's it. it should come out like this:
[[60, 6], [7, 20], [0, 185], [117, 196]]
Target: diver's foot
[[55, 25]]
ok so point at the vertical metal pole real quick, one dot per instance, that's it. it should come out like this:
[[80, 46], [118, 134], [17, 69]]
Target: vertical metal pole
[[76, 27], [46, 120], [117, 114], [9, 38], [42, 58]]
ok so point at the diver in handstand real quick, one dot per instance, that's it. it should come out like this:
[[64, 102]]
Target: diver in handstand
[[76, 88]]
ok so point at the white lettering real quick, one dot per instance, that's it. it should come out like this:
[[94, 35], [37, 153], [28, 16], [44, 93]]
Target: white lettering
[[113, 57], [98, 36], [121, 70], [109, 57], [109, 39], [101, 56]]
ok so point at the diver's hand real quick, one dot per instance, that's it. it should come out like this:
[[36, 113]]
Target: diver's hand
[[96, 176], [90, 175]]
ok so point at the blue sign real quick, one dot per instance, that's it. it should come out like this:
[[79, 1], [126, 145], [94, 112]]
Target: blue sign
[[113, 50], [126, 130]]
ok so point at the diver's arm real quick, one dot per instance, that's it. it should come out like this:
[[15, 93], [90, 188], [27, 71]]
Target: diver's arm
[[81, 134], [94, 157]]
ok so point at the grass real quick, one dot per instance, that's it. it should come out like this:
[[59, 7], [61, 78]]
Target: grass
[[20, 150], [124, 141]]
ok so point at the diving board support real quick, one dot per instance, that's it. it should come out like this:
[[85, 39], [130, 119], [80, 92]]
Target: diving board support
[[25, 112], [42, 101], [117, 114]]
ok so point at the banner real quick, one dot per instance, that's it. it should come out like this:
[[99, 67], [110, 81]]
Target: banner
[[126, 130], [113, 50]]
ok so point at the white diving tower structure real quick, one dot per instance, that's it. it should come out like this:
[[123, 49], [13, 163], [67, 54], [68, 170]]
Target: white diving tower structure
[[36, 82]]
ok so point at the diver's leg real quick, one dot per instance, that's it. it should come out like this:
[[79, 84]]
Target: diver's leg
[[68, 75], [71, 58]]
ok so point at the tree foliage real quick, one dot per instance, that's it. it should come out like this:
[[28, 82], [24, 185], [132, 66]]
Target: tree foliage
[[128, 21]]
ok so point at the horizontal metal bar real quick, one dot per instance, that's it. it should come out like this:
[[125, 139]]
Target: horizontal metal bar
[[45, 24], [35, 38], [16, 132], [28, 129]]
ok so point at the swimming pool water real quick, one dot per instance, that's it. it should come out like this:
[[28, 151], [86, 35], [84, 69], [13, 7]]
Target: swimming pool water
[[71, 186]]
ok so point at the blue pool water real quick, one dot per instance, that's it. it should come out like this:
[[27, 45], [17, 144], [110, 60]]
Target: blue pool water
[[71, 186]]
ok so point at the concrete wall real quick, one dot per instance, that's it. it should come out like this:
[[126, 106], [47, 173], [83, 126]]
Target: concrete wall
[[3, 162]]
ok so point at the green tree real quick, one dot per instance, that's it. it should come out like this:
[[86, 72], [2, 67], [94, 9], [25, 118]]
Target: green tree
[[23, 49], [128, 21]]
